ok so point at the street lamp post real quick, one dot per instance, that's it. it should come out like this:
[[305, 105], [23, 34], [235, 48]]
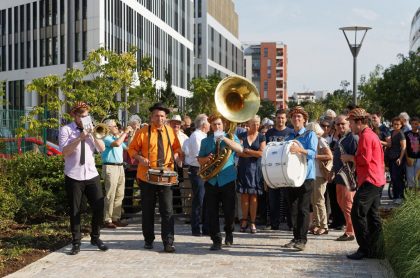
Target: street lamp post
[[355, 48]]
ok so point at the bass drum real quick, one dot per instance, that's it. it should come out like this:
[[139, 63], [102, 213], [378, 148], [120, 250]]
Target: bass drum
[[281, 168]]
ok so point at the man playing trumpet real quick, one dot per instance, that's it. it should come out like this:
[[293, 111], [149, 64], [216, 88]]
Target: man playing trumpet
[[113, 173]]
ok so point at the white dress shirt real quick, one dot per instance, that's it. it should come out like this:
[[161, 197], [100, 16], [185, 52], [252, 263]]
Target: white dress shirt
[[192, 147]]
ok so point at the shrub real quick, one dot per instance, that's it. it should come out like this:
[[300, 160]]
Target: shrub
[[402, 238], [37, 181], [9, 204]]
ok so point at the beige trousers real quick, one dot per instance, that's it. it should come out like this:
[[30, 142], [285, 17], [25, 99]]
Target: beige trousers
[[318, 203], [114, 178]]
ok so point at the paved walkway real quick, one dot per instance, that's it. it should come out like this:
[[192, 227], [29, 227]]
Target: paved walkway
[[258, 255]]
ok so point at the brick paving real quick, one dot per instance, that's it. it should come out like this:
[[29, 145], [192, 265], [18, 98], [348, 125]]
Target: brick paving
[[252, 255]]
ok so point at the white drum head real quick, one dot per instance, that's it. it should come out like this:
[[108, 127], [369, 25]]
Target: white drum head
[[281, 168]]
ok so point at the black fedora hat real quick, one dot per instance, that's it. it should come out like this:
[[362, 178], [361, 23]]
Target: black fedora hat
[[159, 106]]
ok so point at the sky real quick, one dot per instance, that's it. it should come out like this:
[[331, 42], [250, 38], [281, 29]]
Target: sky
[[318, 54]]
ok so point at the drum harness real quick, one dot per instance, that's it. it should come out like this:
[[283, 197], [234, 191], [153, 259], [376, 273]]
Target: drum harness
[[170, 146]]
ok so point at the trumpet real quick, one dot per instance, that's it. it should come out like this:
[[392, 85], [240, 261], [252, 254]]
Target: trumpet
[[100, 131]]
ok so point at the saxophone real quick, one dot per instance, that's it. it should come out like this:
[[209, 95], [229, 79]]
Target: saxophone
[[347, 172]]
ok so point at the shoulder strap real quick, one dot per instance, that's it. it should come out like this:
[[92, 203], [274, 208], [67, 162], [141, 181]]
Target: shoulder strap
[[172, 151], [148, 143]]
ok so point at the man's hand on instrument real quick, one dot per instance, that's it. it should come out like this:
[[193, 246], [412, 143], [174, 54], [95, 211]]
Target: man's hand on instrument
[[128, 130], [84, 134], [296, 149], [144, 161]]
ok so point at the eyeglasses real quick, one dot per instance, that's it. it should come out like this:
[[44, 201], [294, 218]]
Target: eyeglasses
[[339, 124], [324, 126]]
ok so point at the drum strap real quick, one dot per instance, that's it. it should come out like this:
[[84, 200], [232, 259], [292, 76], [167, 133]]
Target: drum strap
[[300, 135], [170, 146]]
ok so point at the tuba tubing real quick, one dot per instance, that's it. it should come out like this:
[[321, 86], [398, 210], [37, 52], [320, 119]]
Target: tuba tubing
[[237, 100]]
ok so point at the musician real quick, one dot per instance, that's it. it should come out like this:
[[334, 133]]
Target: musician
[[370, 168], [347, 144], [300, 197], [81, 177], [278, 198], [113, 174], [220, 188], [156, 145], [191, 149]]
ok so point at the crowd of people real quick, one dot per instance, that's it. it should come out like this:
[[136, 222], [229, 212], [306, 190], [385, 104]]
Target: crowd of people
[[346, 156]]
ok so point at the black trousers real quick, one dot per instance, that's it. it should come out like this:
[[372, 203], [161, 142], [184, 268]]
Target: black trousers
[[365, 217], [92, 190], [149, 192], [279, 206], [336, 212], [130, 176], [300, 201], [214, 195]]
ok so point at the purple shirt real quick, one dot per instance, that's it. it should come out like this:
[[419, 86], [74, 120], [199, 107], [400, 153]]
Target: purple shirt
[[72, 167]]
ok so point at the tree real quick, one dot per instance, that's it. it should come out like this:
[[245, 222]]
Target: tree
[[144, 92], [267, 109], [399, 88], [104, 75], [203, 89], [367, 89], [339, 99], [167, 95]]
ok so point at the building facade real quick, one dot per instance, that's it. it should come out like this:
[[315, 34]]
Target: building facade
[[415, 33], [34, 39], [266, 64], [217, 47]]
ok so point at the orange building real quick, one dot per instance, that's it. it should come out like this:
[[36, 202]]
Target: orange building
[[266, 65]]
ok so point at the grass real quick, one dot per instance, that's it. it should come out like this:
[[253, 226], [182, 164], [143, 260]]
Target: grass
[[402, 237], [21, 244]]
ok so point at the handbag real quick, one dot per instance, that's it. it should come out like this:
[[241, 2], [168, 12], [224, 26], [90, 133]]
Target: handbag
[[325, 166]]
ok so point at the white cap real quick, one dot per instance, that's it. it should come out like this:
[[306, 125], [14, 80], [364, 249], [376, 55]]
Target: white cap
[[176, 118]]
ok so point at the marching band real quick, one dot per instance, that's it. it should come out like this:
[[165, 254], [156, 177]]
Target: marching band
[[293, 163]]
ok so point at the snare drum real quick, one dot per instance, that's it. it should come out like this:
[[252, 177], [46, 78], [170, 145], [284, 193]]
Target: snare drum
[[281, 168], [162, 176]]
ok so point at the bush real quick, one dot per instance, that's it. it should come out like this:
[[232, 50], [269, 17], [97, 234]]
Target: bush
[[37, 182], [9, 204], [402, 238]]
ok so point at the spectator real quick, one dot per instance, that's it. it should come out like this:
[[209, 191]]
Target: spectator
[[380, 129], [413, 152], [405, 118], [249, 173]]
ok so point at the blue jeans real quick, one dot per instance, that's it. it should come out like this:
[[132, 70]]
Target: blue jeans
[[198, 209]]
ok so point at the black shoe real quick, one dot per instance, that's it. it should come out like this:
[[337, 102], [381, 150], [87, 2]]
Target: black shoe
[[290, 244], [299, 246], [148, 245], [99, 244], [229, 239], [75, 249], [169, 248], [216, 246], [357, 256]]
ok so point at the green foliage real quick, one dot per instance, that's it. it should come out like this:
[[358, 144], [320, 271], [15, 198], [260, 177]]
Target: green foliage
[[103, 76], [395, 90], [402, 238], [340, 98], [267, 109], [144, 93], [167, 95], [203, 89], [37, 183]]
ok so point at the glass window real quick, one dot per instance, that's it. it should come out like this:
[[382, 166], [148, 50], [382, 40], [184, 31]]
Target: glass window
[[22, 55], [62, 6], [41, 13], [265, 52], [16, 52], [62, 50], [9, 20], [16, 19], [35, 15], [28, 54], [54, 51], [54, 12], [28, 17], [35, 53], [22, 18]]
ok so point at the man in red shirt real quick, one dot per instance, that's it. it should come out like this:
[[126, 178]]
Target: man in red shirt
[[370, 169]]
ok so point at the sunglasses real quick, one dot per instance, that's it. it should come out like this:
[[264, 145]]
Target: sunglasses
[[325, 125], [339, 124]]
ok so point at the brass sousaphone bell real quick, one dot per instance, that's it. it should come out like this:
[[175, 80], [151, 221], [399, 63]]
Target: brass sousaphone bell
[[237, 100]]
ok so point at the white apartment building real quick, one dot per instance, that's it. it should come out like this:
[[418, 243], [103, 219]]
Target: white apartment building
[[33, 39], [217, 46]]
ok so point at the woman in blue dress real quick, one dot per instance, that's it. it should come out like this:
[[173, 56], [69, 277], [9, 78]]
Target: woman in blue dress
[[250, 181]]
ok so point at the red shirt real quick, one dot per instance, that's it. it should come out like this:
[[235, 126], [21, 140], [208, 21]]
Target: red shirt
[[370, 166]]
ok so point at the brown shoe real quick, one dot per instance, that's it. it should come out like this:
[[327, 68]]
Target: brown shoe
[[119, 223], [345, 237], [110, 225], [321, 231]]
